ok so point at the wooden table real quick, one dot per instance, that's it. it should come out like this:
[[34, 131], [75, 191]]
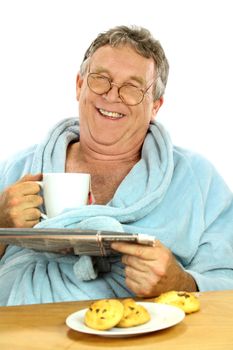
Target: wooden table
[[43, 327]]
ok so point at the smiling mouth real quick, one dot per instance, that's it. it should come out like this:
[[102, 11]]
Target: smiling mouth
[[111, 115]]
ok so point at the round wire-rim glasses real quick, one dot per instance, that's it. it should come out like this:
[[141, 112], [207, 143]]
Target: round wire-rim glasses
[[129, 94]]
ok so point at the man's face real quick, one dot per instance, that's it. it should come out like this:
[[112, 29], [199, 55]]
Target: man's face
[[107, 125]]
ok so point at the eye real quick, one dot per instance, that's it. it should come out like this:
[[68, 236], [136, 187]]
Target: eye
[[103, 75], [99, 77]]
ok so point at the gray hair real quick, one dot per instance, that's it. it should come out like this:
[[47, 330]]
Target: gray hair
[[141, 40]]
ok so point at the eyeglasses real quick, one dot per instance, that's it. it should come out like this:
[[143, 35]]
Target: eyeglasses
[[128, 93]]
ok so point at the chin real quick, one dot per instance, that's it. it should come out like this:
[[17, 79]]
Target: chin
[[106, 142]]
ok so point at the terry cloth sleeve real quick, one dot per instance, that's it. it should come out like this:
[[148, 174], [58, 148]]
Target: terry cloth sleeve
[[212, 265], [15, 167]]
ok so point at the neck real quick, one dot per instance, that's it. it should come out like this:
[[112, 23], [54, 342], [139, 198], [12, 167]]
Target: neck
[[88, 155]]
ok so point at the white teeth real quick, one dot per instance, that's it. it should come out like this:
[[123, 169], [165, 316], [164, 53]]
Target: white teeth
[[111, 114]]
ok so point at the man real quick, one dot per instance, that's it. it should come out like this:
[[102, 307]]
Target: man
[[140, 182]]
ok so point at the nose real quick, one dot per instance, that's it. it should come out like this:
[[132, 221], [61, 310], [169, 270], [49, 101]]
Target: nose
[[113, 94]]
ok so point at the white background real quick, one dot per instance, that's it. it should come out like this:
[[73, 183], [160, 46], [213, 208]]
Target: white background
[[42, 43]]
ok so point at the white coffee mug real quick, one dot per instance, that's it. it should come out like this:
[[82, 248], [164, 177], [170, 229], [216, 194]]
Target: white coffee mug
[[63, 191]]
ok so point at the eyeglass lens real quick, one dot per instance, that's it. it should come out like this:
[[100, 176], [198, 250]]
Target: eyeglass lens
[[129, 94]]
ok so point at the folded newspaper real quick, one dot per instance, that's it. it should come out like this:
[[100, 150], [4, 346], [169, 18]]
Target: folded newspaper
[[75, 241]]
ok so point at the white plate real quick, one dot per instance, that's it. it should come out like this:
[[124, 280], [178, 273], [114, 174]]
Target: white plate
[[162, 316]]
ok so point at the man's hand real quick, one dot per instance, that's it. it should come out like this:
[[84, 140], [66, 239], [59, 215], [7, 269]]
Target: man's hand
[[151, 271], [19, 203]]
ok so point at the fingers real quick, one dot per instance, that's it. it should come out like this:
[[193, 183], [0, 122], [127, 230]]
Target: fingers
[[26, 188], [135, 275], [32, 214], [19, 203], [14, 192], [30, 224], [27, 185], [140, 274], [146, 268], [136, 263], [23, 218], [142, 283], [30, 201], [30, 177], [138, 250]]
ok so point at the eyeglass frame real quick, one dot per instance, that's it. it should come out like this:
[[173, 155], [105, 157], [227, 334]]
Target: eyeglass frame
[[111, 83]]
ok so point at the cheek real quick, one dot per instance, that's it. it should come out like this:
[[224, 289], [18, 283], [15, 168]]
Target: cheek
[[82, 91], [86, 108], [82, 108], [84, 98], [78, 92], [147, 113]]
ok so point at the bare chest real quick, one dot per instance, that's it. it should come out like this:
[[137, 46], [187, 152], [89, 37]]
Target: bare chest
[[104, 182], [104, 186], [105, 176]]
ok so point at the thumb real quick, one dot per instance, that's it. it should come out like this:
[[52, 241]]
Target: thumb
[[31, 177]]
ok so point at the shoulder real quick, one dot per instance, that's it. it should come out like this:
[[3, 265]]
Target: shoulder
[[201, 172], [196, 162]]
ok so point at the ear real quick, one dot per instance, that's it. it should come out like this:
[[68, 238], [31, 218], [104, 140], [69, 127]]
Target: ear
[[156, 106], [79, 82]]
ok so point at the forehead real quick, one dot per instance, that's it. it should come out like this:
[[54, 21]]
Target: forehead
[[122, 62]]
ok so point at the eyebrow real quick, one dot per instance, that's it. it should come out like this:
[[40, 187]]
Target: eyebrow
[[139, 80]]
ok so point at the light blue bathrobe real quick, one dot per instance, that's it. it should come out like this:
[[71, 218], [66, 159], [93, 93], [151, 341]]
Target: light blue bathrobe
[[172, 194]]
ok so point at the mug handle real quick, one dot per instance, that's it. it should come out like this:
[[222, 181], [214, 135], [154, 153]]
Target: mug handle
[[42, 215]]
